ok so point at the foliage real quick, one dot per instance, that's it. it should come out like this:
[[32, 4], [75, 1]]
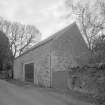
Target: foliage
[[5, 52], [98, 50], [99, 44]]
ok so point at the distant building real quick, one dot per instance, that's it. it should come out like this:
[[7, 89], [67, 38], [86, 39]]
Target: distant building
[[45, 63]]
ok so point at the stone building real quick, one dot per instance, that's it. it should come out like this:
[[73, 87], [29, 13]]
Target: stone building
[[46, 63]]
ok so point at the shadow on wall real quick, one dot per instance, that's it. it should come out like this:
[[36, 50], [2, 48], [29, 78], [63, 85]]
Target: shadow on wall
[[59, 80]]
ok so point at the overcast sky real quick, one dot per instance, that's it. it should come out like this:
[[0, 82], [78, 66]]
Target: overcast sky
[[46, 15]]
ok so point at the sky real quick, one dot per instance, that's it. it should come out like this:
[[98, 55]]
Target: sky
[[46, 15]]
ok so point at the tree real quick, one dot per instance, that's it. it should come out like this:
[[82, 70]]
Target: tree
[[21, 37], [99, 50], [5, 55], [91, 22], [28, 36]]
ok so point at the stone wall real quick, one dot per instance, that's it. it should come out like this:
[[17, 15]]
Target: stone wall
[[69, 49], [87, 80], [41, 59]]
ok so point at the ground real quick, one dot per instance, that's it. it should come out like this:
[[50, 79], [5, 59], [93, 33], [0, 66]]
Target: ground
[[14, 94]]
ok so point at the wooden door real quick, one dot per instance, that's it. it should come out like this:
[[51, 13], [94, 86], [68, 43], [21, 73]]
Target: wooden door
[[29, 72]]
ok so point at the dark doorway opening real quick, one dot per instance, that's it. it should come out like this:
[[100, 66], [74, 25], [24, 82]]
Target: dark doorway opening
[[29, 72]]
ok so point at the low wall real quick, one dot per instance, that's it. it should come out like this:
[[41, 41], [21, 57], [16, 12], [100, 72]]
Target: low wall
[[89, 80]]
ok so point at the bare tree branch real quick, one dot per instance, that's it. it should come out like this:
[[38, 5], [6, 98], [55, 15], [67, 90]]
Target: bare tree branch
[[21, 36], [90, 21]]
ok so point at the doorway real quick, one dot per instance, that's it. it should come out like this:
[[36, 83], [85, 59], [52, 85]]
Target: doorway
[[29, 72]]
